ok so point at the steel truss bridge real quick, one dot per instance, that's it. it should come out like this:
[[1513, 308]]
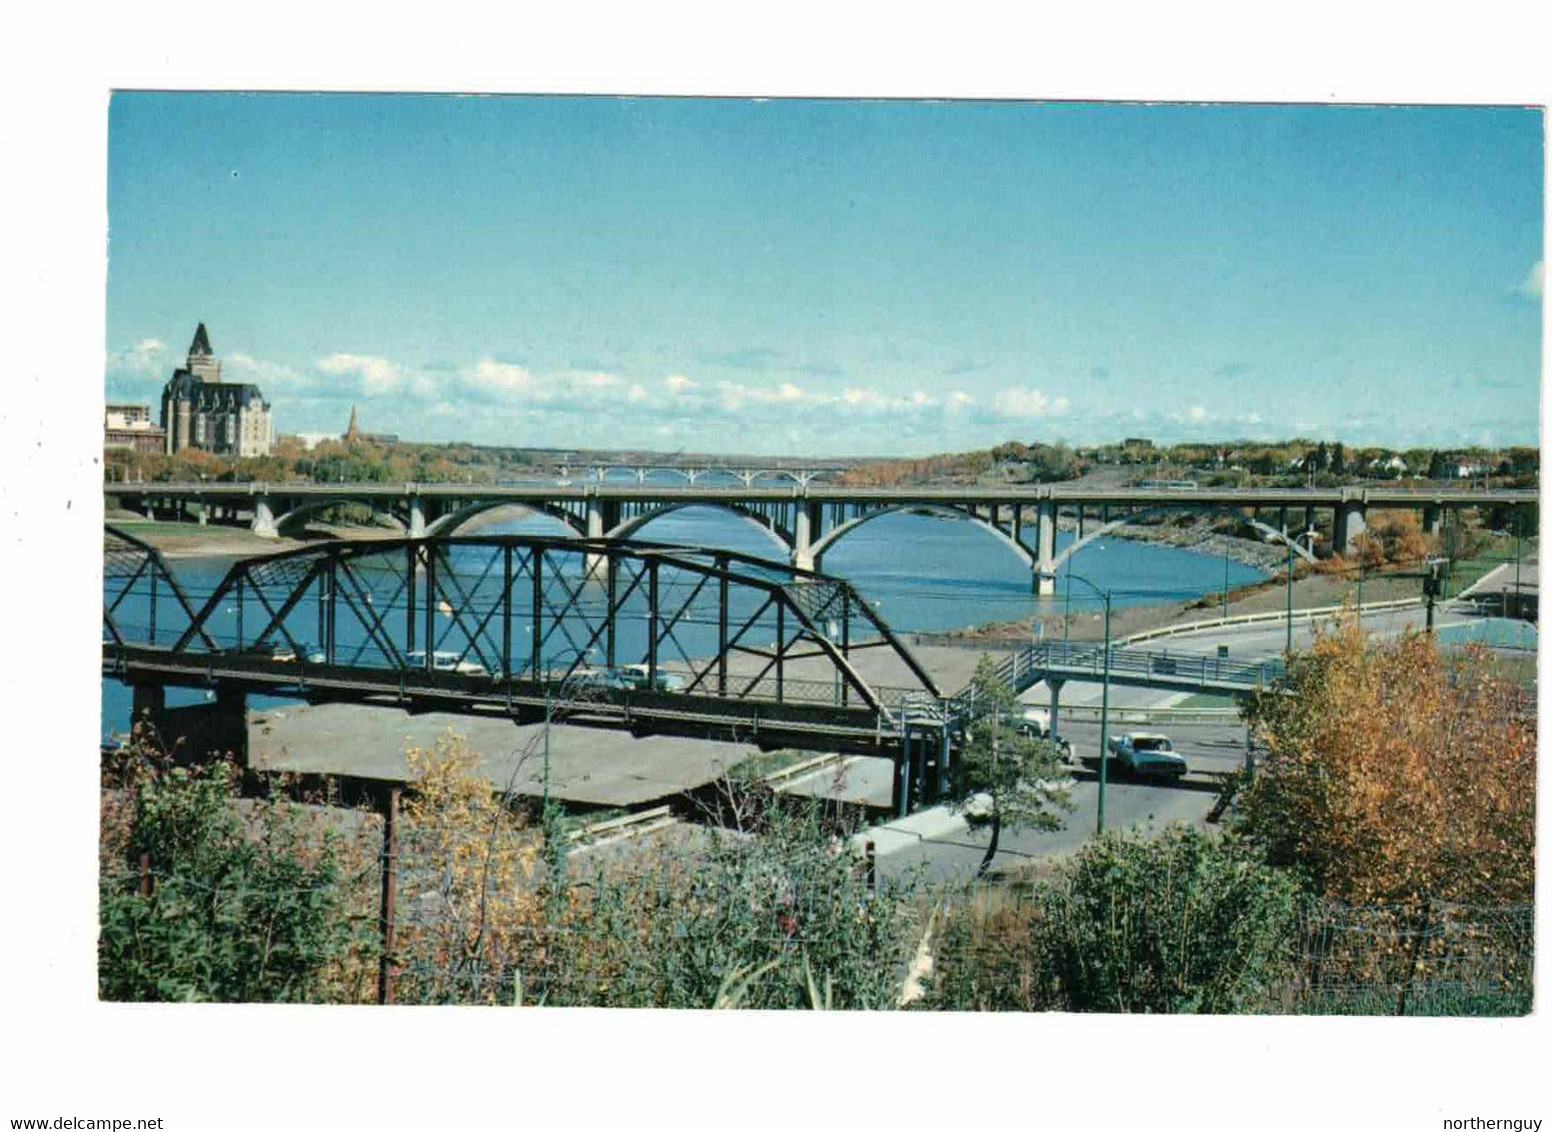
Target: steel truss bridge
[[726, 645], [808, 520]]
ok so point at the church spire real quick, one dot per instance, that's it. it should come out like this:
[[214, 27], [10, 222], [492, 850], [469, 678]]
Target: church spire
[[352, 433], [200, 347]]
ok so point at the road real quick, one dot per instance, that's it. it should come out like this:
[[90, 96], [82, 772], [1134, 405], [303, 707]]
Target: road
[[944, 846]]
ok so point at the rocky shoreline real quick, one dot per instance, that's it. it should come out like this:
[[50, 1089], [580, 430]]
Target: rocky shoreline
[[1200, 537]]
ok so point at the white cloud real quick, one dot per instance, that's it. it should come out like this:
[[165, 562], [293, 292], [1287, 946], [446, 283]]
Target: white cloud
[[145, 357], [1535, 280], [376, 375], [266, 375], [1197, 413], [677, 383], [1019, 402]]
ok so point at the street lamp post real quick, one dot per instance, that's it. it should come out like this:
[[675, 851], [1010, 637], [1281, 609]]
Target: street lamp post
[[1225, 579], [1067, 612], [1104, 699], [1289, 646], [1360, 589]]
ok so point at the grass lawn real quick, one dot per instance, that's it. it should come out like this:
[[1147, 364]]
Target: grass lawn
[[1206, 700], [758, 766], [1465, 571]]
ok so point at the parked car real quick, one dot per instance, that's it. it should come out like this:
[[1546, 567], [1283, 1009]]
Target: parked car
[[281, 651], [636, 676], [1147, 753], [1036, 723], [447, 662], [607, 678]]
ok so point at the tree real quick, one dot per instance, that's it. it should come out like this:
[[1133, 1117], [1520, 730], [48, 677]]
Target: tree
[[1338, 460], [1396, 774], [473, 869], [1020, 777]]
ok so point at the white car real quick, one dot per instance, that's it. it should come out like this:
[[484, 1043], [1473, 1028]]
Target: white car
[[1036, 723], [1147, 753], [447, 662]]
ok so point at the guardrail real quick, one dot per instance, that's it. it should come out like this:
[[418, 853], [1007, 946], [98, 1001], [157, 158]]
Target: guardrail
[[1090, 713], [631, 825], [1272, 615]]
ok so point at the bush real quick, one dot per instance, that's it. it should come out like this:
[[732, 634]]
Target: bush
[[778, 920], [224, 908], [1182, 922]]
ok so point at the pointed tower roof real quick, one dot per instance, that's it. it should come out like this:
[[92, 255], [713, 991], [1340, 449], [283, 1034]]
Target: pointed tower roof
[[351, 432], [200, 347]]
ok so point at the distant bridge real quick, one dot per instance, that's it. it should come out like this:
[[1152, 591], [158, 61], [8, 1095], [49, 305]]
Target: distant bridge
[[808, 520], [747, 474]]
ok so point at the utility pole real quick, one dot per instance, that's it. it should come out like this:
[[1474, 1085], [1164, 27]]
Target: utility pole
[[385, 911]]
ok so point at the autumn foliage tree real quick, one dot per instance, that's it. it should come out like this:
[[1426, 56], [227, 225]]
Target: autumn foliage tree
[[471, 878], [1397, 774]]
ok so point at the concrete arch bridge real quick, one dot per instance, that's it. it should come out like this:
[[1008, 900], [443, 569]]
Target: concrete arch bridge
[[808, 521]]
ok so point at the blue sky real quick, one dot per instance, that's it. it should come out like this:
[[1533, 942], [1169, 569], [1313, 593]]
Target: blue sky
[[834, 277]]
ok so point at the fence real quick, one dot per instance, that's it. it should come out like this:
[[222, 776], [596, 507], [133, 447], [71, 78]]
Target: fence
[[1324, 958], [1441, 959]]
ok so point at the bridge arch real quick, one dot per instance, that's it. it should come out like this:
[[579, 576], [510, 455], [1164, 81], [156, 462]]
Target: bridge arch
[[298, 516], [453, 520], [777, 530], [943, 510], [1272, 533]]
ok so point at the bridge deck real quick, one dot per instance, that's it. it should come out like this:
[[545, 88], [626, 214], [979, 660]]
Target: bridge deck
[[765, 722]]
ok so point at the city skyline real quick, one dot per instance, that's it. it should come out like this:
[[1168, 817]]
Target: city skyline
[[835, 277]]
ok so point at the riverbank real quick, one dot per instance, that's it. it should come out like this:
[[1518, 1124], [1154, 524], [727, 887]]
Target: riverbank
[[191, 540], [1313, 591], [1200, 534]]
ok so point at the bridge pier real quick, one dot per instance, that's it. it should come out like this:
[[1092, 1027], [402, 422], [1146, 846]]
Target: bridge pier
[[1433, 519], [196, 732], [1056, 703], [806, 522], [603, 515], [264, 517], [147, 699], [417, 517], [1045, 549], [1349, 525]]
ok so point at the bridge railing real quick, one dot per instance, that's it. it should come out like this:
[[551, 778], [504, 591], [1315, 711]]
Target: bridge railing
[[1090, 658], [1031, 663]]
